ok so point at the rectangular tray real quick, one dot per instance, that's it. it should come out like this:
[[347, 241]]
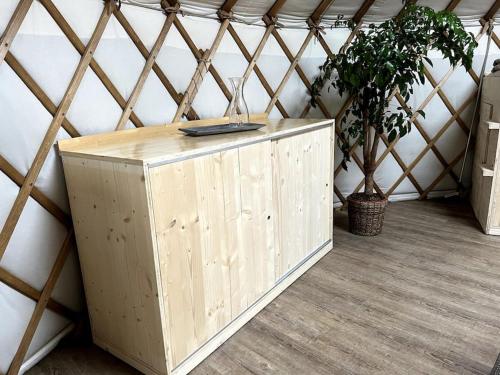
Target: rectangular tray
[[220, 129]]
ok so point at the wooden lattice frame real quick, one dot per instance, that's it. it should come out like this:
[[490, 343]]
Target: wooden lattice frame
[[184, 102]]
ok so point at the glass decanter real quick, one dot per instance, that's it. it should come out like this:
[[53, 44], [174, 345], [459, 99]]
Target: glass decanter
[[238, 109]]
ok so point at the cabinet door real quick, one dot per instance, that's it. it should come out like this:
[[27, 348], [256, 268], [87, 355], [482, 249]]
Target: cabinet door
[[215, 240], [303, 196]]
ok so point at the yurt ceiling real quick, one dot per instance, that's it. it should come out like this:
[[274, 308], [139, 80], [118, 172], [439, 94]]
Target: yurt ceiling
[[296, 11], [46, 44]]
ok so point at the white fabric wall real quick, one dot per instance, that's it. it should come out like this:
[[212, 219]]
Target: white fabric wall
[[51, 60]]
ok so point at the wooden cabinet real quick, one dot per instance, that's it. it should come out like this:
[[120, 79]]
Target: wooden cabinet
[[485, 195], [215, 240], [182, 240], [303, 199]]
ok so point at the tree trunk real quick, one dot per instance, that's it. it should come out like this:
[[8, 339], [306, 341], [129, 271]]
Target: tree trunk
[[369, 183], [366, 154], [370, 162]]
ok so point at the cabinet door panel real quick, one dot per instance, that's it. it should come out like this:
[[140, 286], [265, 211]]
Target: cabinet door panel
[[303, 196], [257, 252], [213, 240]]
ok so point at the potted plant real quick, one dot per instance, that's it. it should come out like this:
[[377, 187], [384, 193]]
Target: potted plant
[[384, 59]]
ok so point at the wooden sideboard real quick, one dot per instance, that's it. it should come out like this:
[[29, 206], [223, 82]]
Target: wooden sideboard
[[485, 194], [182, 240]]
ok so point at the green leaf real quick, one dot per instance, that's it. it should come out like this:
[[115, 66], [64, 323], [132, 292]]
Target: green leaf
[[392, 135], [388, 56]]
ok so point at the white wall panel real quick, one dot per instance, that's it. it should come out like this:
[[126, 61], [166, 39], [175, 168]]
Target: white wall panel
[[23, 122]]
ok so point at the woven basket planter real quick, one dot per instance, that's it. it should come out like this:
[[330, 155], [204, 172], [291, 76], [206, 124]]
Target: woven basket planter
[[366, 214]]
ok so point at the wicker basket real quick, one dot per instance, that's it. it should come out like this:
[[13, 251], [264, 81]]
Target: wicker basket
[[366, 214]]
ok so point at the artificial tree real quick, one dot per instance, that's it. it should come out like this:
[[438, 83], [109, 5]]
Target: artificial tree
[[382, 59]]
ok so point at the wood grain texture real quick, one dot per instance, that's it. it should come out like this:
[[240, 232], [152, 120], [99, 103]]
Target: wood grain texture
[[115, 248], [413, 301], [213, 233], [67, 30], [177, 256], [302, 175], [156, 144]]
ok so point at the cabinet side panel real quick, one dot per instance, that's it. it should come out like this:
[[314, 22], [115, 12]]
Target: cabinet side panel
[[481, 185], [112, 226], [303, 195], [491, 92]]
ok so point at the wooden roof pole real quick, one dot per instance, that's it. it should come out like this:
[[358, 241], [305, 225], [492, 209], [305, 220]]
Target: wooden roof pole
[[492, 11], [452, 5]]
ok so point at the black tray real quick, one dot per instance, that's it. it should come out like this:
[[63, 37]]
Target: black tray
[[220, 129]]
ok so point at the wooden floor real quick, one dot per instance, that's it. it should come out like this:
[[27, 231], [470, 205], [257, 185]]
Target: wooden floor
[[422, 298]]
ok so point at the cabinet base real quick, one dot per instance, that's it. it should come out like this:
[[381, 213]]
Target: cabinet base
[[494, 231], [210, 346], [136, 363], [198, 356]]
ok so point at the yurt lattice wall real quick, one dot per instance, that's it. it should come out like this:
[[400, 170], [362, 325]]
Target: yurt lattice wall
[[39, 276]]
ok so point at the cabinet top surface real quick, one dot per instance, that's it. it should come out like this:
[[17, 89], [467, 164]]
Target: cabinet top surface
[[163, 144]]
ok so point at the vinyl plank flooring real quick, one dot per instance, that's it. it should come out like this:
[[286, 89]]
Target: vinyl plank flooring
[[421, 298]]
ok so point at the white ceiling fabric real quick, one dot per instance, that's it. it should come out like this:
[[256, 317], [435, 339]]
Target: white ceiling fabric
[[294, 11]]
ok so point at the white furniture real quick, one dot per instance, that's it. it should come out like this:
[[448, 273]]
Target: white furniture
[[485, 196], [182, 240]]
